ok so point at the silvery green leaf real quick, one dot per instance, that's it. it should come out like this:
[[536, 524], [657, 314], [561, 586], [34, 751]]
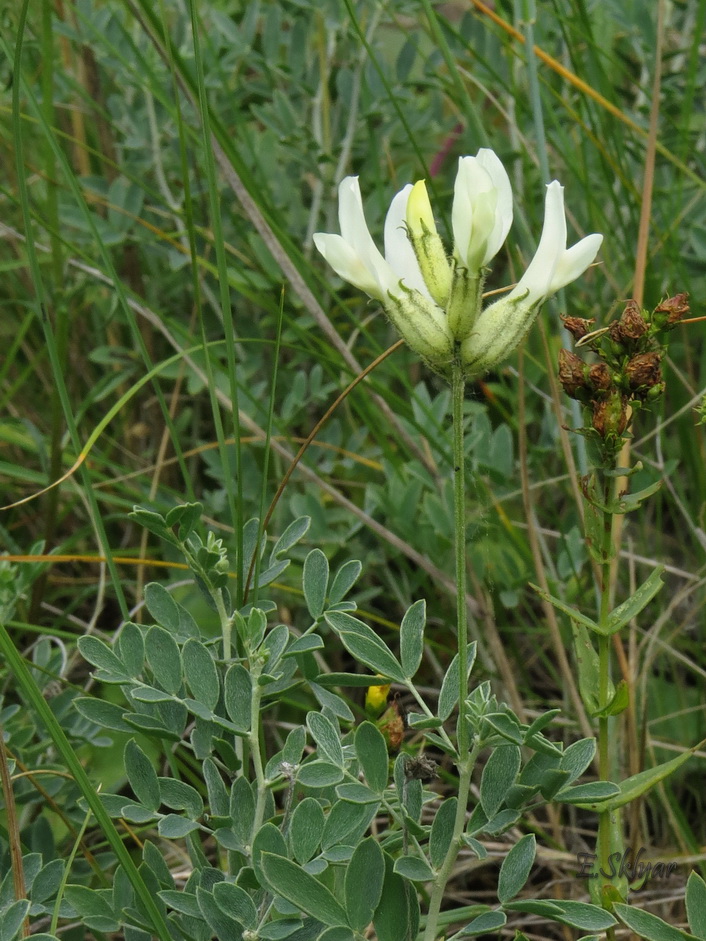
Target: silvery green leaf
[[201, 673], [516, 867], [164, 658], [344, 579], [326, 736], [237, 694], [363, 883], [448, 696], [371, 750], [442, 832], [365, 645], [303, 890], [498, 776], [412, 637], [141, 775], [315, 577], [696, 905], [306, 827], [291, 536]]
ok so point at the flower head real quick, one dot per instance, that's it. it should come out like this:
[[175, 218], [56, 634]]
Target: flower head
[[434, 301]]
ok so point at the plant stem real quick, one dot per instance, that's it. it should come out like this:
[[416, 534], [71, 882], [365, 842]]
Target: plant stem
[[608, 822], [438, 891], [466, 761], [226, 623], [254, 742], [458, 387]]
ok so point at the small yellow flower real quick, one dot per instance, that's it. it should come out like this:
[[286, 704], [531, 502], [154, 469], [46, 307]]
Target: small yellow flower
[[376, 700]]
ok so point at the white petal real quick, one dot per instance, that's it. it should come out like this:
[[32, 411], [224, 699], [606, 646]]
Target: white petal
[[492, 165], [348, 264], [462, 209], [538, 277], [574, 262], [354, 228], [399, 253]]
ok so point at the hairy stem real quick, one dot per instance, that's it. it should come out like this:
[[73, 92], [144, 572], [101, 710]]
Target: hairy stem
[[458, 387], [255, 750], [438, 891], [225, 621], [608, 822]]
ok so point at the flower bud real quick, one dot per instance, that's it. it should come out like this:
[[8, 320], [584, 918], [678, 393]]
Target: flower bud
[[655, 392], [427, 244], [422, 325], [465, 302], [498, 330]]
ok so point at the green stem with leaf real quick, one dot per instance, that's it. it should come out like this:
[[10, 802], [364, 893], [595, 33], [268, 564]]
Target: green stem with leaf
[[255, 746], [438, 891], [466, 755], [609, 831], [458, 388]]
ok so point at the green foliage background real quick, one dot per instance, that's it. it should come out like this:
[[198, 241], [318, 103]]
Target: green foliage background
[[165, 166]]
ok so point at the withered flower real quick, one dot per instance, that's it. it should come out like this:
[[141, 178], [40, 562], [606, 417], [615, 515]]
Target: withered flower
[[643, 371], [610, 415], [632, 324], [675, 308], [572, 372], [600, 377], [577, 326]]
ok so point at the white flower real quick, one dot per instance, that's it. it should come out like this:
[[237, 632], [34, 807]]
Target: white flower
[[353, 254], [482, 209], [502, 325], [434, 303], [396, 280]]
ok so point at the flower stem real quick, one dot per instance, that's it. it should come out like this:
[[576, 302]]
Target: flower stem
[[255, 746], [438, 892], [225, 622], [458, 387], [609, 828], [466, 756]]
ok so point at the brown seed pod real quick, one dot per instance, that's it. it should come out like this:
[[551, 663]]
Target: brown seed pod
[[675, 308], [632, 321], [644, 371], [572, 372], [577, 326], [610, 415], [600, 377]]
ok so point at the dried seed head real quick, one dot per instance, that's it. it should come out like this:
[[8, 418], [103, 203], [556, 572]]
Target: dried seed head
[[577, 326], [630, 327], [610, 415], [675, 308], [600, 377], [632, 321], [643, 371], [572, 372], [420, 768]]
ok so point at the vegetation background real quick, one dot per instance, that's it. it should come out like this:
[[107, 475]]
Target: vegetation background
[[164, 168]]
